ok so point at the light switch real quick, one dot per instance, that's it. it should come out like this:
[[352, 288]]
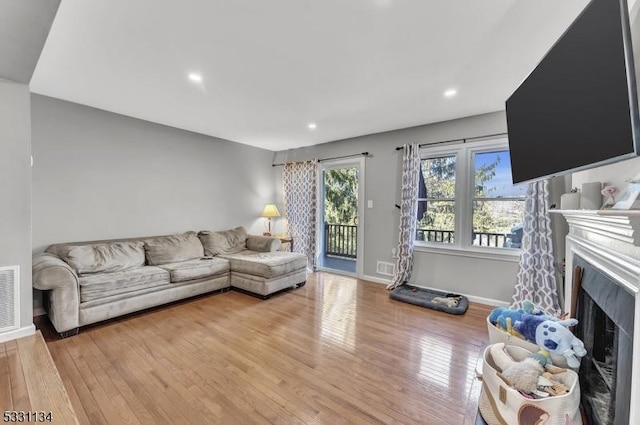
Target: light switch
[[370, 203]]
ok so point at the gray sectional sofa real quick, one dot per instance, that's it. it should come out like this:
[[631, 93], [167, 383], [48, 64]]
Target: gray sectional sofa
[[88, 282]]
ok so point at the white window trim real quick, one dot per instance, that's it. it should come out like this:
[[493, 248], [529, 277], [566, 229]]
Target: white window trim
[[330, 165], [500, 254], [464, 153]]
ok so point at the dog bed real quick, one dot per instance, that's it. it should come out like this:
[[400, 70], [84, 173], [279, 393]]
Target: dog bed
[[425, 298]]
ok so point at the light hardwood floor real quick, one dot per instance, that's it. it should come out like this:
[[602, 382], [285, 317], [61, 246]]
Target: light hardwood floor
[[337, 350], [30, 384]]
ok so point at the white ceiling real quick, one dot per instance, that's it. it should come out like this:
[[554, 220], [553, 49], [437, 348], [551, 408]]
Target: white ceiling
[[269, 68]]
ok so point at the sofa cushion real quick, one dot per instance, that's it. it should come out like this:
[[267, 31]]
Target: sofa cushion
[[266, 264], [100, 285], [263, 243], [196, 269], [100, 257], [173, 248], [226, 242]]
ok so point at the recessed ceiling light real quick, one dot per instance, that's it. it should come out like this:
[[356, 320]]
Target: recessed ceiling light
[[312, 126], [450, 93], [196, 78]]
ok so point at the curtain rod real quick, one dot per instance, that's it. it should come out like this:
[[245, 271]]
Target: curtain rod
[[464, 140], [329, 159]]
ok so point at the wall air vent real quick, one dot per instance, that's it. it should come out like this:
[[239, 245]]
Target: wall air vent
[[9, 300], [385, 268]]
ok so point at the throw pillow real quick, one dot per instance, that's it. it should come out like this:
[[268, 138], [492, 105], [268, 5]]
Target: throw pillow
[[173, 248], [226, 242], [101, 257]]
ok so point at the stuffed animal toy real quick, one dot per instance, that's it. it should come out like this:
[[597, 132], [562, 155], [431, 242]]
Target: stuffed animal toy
[[531, 308], [553, 387], [552, 336], [450, 302], [527, 375], [500, 357], [523, 375], [500, 316], [503, 317]]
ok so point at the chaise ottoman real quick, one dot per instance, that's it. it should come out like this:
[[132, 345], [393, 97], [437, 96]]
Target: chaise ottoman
[[264, 273], [258, 266]]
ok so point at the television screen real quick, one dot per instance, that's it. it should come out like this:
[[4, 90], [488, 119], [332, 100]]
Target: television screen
[[578, 107]]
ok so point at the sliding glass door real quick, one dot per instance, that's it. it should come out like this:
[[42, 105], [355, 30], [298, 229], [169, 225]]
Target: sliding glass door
[[340, 216]]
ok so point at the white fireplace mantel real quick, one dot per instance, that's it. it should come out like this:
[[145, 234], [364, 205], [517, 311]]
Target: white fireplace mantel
[[618, 225], [610, 241]]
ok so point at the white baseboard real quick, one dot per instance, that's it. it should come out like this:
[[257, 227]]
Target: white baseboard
[[472, 298], [335, 271], [488, 301], [18, 333], [39, 311], [375, 279]]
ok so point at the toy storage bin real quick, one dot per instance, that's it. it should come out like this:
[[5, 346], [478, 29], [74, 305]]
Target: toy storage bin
[[498, 335], [501, 405]]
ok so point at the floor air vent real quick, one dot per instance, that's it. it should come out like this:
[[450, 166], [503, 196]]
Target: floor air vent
[[385, 268], [9, 307]]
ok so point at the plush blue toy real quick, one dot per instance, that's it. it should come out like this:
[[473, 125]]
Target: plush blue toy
[[499, 316], [552, 336]]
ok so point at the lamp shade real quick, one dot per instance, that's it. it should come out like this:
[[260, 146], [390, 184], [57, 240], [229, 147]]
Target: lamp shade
[[270, 210]]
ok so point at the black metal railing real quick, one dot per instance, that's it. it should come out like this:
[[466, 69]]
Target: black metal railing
[[490, 239], [448, 236], [432, 235], [341, 240]]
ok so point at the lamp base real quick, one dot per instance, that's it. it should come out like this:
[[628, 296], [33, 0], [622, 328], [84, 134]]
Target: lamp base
[[268, 232]]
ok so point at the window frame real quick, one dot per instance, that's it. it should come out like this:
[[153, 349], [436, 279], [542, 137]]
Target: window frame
[[464, 152], [437, 155]]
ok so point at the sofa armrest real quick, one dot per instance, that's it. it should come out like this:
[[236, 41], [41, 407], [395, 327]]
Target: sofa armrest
[[263, 243], [52, 274]]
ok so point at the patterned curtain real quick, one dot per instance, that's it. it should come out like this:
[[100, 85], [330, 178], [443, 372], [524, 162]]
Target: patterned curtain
[[536, 275], [408, 211], [300, 203]]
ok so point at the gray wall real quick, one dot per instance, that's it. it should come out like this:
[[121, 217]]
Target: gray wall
[[617, 174], [15, 188], [485, 278], [24, 27], [99, 175]]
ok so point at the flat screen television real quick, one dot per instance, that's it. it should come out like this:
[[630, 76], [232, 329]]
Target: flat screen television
[[578, 108]]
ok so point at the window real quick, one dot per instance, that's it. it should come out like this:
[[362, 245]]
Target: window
[[466, 199], [436, 200], [498, 205]]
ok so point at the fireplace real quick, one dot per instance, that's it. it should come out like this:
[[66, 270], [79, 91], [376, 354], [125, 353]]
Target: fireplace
[[605, 311], [605, 245]]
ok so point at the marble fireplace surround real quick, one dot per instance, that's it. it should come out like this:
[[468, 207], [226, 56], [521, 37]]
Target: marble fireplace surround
[[610, 241]]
